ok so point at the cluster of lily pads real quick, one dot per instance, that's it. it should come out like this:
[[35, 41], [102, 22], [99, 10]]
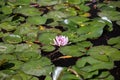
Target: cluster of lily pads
[[31, 47]]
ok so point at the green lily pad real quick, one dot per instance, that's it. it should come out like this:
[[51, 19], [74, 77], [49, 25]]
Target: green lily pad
[[6, 48], [37, 20], [16, 64], [27, 55], [7, 26], [27, 11], [83, 61], [38, 67], [20, 75], [115, 42], [112, 15], [7, 57], [25, 29], [69, 76], [1, 34], [71, 51], [48, 48], [47, 38], [2, 2], [4, 74], [56, 15], [21, 2], [7, 9], [94, 30], [73, 1], [114, 3], [104, 74], [85, 44], [83, 74], [101, 65], [78, 20], [31, 37], [47, 2], [12, 39], [84, 7], [88, 75], [104, 53], [4, 58], [27, 47]]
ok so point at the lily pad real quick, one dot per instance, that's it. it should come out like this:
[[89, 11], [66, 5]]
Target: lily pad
[[83, 61], [102, 65], [115, 42], [16, 64], [7, 9], [27, 47], [48, 48], [104, 53], [37, 20], [38, 67], [7, 57], [27, 11], [78, 20], [21, 2], [94, 30], [71, 51], [27, 55], [12, 39], [47, 38], [73, 1], [112, 15], [47, 2], [7, 26], [6, 48], [31, 37], [25, 29]]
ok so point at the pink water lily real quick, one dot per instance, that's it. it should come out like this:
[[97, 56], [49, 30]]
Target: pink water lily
[[60, 40]]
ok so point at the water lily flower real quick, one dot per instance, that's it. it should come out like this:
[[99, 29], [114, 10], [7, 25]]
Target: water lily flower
[[60, 40]]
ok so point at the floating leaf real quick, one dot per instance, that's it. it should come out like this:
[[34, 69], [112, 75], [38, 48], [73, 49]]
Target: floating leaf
[[12, 39], [73, 1], [48, 48], [104, 53], [21, 2], [55, 15], [83, 61], [27, 47], [25, 29], [16, 64], [7, 57], [68, 76], [6, 48], [115, 42], [38, 67], [7, 9], [31, 37], [94, 30], [114, 3], [27, 11], [7, 26], [47, 38], [101, 65], [27, 55], [37, 20], [112, 15], [47, 2], [71, 50], [78, 20]]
